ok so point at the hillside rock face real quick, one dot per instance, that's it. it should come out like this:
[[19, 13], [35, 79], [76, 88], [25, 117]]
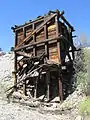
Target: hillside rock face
[[13, 111], [6, 66]]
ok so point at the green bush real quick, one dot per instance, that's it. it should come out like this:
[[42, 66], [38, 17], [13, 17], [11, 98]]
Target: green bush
[[84, 106], [83, 75]]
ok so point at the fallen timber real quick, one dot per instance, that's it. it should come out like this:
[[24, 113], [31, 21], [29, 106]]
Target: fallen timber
[[44, 54]]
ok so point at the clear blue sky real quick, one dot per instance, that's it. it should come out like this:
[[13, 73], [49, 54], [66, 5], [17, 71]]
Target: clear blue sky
[[19, 11]]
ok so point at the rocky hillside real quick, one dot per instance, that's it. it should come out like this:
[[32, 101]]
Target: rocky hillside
[[68, 110], [6, 68]]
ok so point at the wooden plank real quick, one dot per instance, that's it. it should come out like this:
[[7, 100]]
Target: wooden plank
[[46, 44], [26, 77], [53, 53], [47, 82], [28, 24], [64, 19], [15, 39], [24, 54], [58, 47], [57, 25], [34, 35], [36, 43], [40, 50], [36, 30], [34, 39], [57, 34], [35, 90], [60, 90], [64, 38], [59, 55], [24, 87], [41, 37], [24, 32], [71, 41]]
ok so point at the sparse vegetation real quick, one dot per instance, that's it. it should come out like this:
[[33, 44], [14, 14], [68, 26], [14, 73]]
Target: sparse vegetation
[[83, 70], [84, 107], [83, 79]]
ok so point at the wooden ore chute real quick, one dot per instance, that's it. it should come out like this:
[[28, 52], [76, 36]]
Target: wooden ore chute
[[43, 42]]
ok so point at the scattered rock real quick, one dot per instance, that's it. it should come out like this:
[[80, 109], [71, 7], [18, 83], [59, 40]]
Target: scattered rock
[[56, 99], [30, 103], [78, 118], [16, 112]]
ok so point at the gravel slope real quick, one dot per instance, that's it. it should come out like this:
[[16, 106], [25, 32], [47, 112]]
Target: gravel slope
[[13, 111]]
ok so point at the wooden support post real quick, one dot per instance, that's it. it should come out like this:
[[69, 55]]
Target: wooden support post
[[57, 25], [57, 34], [34, 39], [36, 83], [71, 41], [15, 39], [46, 44], [60, 90], [24, 33], [59, 31], [63, 18], [24, 87], [48, 82], [35, 90], [58, 47]]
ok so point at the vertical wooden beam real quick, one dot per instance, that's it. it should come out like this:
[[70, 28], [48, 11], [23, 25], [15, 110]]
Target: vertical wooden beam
[[46, 44], [24, 32], [57, 25], [34, 39], [60, 90], [71, 40], [35, 90], [24, 87], [46, 37], [59, 31], [57, 34], [16, 40], [48, 82], [24, 82]]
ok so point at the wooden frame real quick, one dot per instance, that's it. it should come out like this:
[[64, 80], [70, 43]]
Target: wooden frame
[[42, 35]]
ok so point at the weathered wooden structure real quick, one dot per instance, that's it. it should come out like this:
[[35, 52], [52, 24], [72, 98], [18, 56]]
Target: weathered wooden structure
[[41, 48]]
